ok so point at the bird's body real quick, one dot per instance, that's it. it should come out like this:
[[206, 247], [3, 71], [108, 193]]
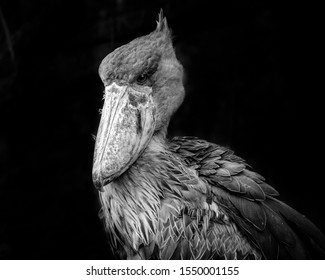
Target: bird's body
[[183, 198], [161, 208]]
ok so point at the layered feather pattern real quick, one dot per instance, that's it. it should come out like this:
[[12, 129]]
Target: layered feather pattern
[[277, 230], [192, 199]]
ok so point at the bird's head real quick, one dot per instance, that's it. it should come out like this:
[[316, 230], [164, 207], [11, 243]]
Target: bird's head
[[143, 88]]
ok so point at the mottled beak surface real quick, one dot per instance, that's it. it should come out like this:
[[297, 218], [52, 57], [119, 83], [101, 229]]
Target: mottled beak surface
[[126, 127]]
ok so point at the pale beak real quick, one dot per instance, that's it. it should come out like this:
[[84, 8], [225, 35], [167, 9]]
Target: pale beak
[[126, 127]]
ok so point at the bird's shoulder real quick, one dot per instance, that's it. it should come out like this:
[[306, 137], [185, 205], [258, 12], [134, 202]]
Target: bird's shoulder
[[220, 167]]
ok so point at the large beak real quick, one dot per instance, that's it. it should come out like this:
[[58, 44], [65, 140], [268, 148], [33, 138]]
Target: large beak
[[126, 127]]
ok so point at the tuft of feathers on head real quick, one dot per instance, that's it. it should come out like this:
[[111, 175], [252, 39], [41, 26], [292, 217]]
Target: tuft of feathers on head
[[162, 25]]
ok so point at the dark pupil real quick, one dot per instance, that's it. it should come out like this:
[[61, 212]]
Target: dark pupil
[[142, 78]]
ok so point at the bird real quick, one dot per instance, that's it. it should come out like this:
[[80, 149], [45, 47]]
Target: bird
[[185, 197]]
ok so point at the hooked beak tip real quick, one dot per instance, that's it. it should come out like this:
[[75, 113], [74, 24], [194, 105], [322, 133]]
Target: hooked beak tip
[[100, 183]]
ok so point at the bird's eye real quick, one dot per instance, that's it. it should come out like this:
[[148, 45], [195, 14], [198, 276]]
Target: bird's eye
[[142, 79]]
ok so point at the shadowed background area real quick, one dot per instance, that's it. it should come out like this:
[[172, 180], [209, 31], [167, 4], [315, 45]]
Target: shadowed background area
[[249, 70]]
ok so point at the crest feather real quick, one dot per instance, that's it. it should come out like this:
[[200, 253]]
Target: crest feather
[[162, 25]]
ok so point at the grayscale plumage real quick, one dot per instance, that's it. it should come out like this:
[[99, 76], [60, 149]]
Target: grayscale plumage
[[183, 198]]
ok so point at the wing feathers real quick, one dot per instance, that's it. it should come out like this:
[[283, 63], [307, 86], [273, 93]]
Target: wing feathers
[[253, 212], [301, 223], [273, 227]]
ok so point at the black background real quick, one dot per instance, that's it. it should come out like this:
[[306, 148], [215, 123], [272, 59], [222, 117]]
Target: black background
[[250, 71]]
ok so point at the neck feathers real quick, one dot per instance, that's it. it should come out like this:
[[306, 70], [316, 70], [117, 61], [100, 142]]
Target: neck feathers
[[130, 204]]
